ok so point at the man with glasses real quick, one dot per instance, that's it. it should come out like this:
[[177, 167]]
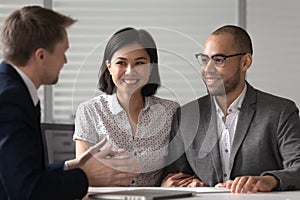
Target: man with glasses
[[242, 139]]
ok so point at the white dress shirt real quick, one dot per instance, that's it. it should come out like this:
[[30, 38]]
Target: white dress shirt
[[226, 130]]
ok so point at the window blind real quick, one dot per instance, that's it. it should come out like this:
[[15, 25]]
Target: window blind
[[6, 8], [178, 27]]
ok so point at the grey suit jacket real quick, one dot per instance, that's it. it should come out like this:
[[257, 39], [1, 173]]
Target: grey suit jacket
[[266, 141]]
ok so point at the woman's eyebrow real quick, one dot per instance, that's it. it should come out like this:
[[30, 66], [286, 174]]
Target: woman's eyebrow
[[141, 58]]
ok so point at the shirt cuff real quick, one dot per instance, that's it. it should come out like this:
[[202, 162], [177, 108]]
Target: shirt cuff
[[66, 166]]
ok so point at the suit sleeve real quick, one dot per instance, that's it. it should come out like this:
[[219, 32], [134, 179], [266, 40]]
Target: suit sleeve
[[176, 160], [288, 136], [22, 171]]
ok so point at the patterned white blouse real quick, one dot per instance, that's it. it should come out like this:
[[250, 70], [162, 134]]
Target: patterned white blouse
[[103, 116]]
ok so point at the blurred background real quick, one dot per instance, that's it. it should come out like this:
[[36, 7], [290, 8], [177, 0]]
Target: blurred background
[[179, 29]]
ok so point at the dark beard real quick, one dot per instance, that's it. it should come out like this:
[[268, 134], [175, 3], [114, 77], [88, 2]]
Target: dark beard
[[227, 87]]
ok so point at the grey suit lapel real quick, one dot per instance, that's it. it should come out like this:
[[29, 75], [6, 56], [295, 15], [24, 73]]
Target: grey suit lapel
[[245, 118], [210, 146]]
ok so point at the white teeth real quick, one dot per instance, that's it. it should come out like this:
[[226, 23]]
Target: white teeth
[[130, 81], [211, 80]]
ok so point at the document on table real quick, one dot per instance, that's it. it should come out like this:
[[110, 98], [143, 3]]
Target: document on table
[[196, 190]]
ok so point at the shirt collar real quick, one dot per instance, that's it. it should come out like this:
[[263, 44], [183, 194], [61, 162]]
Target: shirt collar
[[31, 87], [235, 105], [116, 108]]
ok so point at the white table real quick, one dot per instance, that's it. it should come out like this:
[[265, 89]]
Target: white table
[[290, 195], [210, 193]]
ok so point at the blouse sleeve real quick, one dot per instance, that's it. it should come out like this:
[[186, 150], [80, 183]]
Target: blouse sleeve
[[85, 127]]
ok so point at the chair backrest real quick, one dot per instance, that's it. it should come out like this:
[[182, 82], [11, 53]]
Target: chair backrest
[[58, 142]]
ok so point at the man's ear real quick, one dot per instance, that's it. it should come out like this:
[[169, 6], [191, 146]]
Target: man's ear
[[39, 54], [246, 62]]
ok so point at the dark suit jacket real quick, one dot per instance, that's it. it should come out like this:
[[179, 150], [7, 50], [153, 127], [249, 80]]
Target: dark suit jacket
[[23, 173], [266, 141]]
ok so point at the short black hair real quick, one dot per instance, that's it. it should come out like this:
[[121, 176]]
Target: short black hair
[[124, 37], [242, 40]]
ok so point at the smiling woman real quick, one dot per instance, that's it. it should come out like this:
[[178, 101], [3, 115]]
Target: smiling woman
[[128, 112], [130, 69]]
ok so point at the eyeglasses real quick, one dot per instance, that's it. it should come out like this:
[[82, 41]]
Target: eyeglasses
[[218, 59]]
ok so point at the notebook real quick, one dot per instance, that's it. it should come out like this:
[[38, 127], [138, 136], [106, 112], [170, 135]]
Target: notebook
[[142, 194]]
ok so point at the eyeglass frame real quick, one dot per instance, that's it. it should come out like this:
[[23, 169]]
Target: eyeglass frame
[[212, 57]]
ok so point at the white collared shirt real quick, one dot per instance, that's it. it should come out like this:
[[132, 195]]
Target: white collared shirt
[[226, 130], [30, 85], [103, 116]]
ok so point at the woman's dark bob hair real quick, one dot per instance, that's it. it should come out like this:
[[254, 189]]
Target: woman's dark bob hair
[[124, 37]]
